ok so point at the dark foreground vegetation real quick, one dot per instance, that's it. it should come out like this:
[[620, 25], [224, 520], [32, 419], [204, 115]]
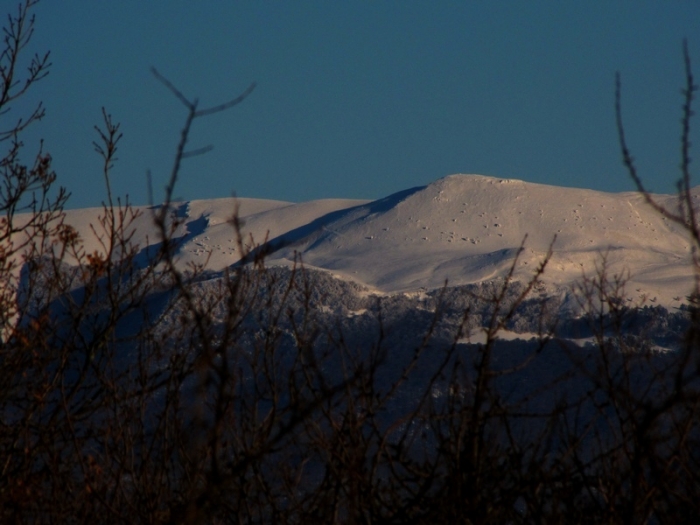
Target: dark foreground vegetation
[[135, 391]]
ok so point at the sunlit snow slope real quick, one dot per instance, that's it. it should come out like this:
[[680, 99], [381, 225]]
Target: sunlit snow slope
[[462, 228]]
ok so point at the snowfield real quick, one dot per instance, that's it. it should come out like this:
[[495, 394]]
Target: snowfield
[[462, 229]]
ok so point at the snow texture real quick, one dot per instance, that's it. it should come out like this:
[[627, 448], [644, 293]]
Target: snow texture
[[462, 228]]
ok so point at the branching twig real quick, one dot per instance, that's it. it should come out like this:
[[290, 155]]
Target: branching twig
[[193, 113]]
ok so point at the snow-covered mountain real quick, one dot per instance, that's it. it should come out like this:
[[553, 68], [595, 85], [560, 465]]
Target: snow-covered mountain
[[366, 341], [462, 228]]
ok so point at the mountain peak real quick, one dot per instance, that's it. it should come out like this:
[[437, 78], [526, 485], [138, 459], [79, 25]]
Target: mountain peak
[[460, 228]]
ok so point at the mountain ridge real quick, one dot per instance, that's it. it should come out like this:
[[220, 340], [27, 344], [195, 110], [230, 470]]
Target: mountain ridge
[[461, 229]]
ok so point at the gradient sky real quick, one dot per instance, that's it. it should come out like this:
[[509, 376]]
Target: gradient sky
[[361, 99]]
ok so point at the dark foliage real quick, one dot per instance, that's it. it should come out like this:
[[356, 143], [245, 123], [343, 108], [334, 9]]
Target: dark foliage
[[135, 391]]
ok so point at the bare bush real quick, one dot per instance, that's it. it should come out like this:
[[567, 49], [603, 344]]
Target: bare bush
[[135, 391]]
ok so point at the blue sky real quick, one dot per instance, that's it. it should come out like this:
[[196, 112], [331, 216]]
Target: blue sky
[[361, 99]]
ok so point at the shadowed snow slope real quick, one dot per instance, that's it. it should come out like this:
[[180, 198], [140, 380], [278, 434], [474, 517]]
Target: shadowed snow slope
[[468, 229], [463, 228]]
